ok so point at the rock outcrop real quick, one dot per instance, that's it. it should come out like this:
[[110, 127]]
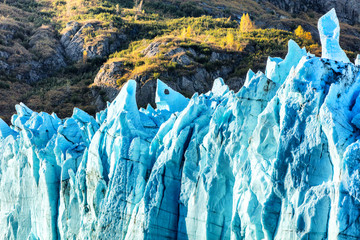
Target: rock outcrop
[[91, 37], [42, 55], [198, 79], [348, 10]]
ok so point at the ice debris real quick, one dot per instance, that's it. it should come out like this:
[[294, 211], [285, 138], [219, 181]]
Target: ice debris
[[277, 160]]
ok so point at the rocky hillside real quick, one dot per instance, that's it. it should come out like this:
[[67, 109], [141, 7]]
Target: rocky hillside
[[28, 50], [55, 54], [347, 10], [187, 68]]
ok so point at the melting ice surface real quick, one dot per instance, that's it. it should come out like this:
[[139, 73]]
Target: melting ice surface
[[280, 159]]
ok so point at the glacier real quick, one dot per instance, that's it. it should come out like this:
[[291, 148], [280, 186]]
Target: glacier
[[329, 29], [280, 159]]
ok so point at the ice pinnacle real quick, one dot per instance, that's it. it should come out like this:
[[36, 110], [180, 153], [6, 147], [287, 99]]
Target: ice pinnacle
[[329, 29]]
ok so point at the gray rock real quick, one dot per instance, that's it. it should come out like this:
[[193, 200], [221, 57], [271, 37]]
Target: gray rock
[[52, 60], [41, 57], [182, 59], [74, 43], [109, 73], [72, 28], [187, 84], [4, 67], [201, 80], [152, 50], [4, 55], [192, 52], [217, 57], [223, 71], [102, 95], [175, 51], [347, 10], [236, 83]]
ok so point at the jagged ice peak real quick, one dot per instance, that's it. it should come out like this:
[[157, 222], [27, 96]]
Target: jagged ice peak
[[329, 29]]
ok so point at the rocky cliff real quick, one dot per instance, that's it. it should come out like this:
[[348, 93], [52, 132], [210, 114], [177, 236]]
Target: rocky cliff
[[348, 10]]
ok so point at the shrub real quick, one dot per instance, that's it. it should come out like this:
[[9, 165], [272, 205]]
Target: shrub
[[4, 85], [139, 63], [171, 66], [58, 3], [156, 75]]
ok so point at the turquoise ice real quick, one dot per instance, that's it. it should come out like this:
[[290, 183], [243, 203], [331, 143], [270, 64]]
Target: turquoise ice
[[329, 29], [280, 159]]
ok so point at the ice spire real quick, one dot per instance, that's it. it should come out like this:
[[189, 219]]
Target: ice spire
[[329, 29], [250, 74], [357, 60], [167, 98], [125, 102], [278, 69]]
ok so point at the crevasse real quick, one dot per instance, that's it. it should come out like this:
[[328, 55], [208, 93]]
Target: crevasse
[[280, 159]]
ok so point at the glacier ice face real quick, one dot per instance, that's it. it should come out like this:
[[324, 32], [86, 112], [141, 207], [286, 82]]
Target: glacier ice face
[[279, 159], [5, 130], [250, 74], [277, 69], [329, 29]]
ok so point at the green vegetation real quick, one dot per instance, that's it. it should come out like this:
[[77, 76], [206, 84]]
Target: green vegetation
[[191, 25], [4, 85], [177, 9], [204, 35], [66, 89]]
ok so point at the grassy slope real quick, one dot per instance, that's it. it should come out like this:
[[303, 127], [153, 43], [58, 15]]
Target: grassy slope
[[161, 19]]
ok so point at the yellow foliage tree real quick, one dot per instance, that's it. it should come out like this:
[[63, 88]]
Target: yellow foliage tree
[[117, 9], [300, 32], [230, 39], [68, 8], [139, 5], [187, 32], [85, 56], [246, 25]]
